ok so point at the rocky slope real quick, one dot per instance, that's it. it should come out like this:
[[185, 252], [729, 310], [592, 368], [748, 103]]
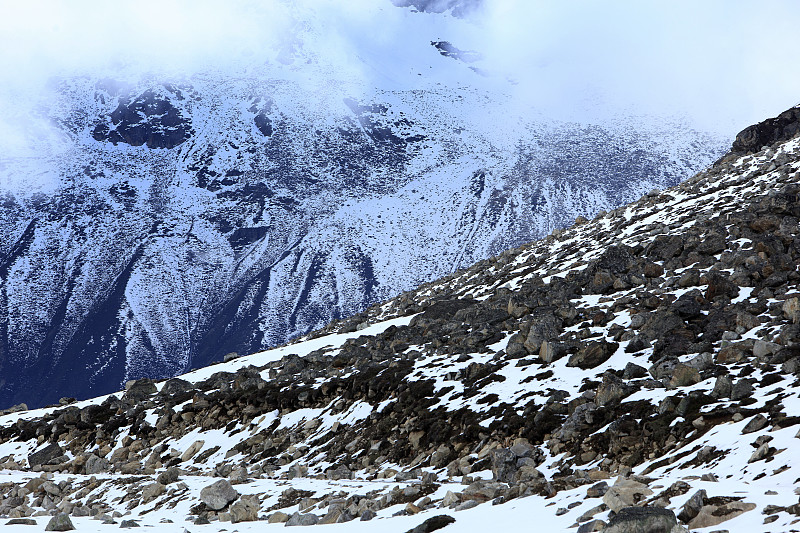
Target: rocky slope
[[639, 368], [183, 218]]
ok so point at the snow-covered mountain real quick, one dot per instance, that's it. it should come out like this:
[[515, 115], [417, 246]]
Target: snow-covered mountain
[[637, 372], [166, 220]]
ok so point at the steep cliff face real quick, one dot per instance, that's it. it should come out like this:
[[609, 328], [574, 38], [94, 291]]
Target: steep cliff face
[[211, 214]]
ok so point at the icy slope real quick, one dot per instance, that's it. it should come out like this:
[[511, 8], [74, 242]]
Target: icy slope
[[168, 220], [648, 358]]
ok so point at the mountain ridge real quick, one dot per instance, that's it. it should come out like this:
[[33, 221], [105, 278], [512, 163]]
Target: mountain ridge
[[650, 345], [257, 189]]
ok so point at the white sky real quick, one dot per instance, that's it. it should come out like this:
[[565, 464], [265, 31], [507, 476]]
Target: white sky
[[727, 63]]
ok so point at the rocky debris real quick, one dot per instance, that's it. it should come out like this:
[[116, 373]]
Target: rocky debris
[[60, 522], [218, 495]]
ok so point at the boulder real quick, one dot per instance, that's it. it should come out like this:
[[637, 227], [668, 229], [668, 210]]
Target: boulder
[[218, 495], [170, 475], [611, 390], [278, 517], [297, 519], [433, 523], [152, 491], [643, 520], [45, 455], [192, 450], [140, 389], [711, 515], [692, 506], [593, 354], [756, 423], [592, 525], [625, 493], [60, 522], [95, 465], [683, 375], [246, 509]]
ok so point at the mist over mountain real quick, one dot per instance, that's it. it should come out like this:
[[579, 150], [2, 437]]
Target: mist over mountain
[[179, 203]]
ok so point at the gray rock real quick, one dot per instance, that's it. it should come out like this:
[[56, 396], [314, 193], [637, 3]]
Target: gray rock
[[593, 354], [756, 423], [218, 495], [170, 475], [246, 509], [297, 519], [634, 371], [692, 506], [45, 455], [21, 522], [722, 387], [469, 504], [432, 524], [129, 523], [597, 490], [368, 514], [643, 520], [742, 389], [152, 491], [683, 375], [95, 465], [592, 525], [60, 522]]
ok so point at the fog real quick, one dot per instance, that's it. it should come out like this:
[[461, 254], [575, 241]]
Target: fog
[[725, 63]]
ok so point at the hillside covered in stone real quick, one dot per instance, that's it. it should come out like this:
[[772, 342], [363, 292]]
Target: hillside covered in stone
[[639, 368]]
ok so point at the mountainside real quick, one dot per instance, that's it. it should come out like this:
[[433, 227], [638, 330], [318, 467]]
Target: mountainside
[[636, 372], [165, 222]]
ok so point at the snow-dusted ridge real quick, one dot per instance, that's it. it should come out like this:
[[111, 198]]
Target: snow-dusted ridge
[[633, 360], [185, 217]]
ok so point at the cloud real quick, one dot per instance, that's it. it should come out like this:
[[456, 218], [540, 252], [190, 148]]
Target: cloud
[[727, 63]]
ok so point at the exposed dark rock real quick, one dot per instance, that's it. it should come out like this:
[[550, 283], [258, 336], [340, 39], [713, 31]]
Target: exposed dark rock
[[643, 520], [432, 524], [754, 138]]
